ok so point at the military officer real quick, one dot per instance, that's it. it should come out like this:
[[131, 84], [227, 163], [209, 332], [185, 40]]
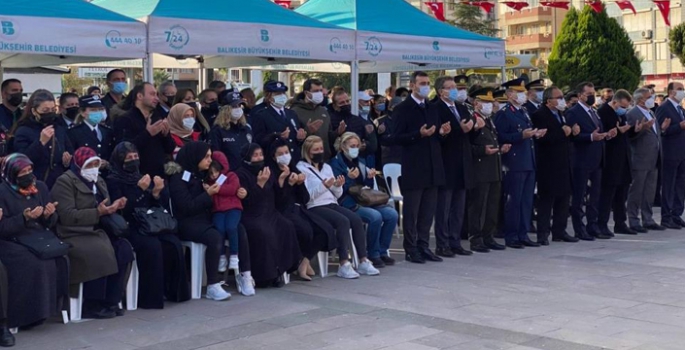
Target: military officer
[[535, 89]]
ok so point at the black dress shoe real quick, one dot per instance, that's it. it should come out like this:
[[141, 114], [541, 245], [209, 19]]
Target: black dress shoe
[[117, 310], [388, 260], [654, 227], [461, 251], [639, 229], [671, 225], [480, 248], [104, 313], [444, 252], [377, 263], [624, 230], [679, 221], [529, 243], [602, 236], [565, 238], [6, 337], [543, 242], [515, 245], [585, 237], [415, 258], [429, 256], [495, 246], [605, 231]]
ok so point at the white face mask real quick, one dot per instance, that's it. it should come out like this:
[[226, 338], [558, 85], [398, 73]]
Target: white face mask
[[280, 101], [561, 104], [317, 97], [679, 95], [353, 152], [90, 174], [650, 103], [538, 96], [284, 159], [236, 113], [188, 123], [486, 109], [521, 98], [461, 96]]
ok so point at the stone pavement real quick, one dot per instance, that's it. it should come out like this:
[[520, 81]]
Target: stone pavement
[[625, 293]]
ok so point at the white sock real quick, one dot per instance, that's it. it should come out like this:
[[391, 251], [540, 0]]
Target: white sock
[[233, 256], [246, 274]]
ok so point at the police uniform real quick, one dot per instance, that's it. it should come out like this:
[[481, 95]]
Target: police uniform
[[537, 85], [99, 138], [232, 139], [519, 168]]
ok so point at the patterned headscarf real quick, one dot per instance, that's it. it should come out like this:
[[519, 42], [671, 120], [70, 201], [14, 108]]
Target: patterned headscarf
[[83, 156], [12, 165]]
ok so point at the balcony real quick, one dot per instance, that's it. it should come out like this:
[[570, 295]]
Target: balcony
[[529, 42], [532, 15]]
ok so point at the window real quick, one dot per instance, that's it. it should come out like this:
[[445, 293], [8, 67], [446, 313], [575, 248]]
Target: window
[[662, 51], [644, 51]]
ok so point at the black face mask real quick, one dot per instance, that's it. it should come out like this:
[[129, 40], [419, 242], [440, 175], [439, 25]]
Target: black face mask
[[71, 112], [169, 99], [191, 104], [255, 167], [15, 99], [591, 100], [47, 118], [25, 181], [131, 166], [211, 109], [347, 108], [317, 158]]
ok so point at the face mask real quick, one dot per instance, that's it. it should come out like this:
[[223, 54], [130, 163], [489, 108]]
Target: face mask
[[353, 153], [380, 107], [47, 118], [236, 113], [257, 165], [188, 123], [119, 87], [538, 96], [90, 174], [25, 181], [461, 96], [680, 95], [561, 104], [192, 104], [424, 91], [486, 109], [650, 103], [366, 109], [71, 113], [15, 99], [454, 93], [211, 109], [590, 100], [346, 108], [131, 166], [621, 111], [284, 159], [280, 100], [317, 158], [169, 99], [95, 117], [317, 97], [521, 98]]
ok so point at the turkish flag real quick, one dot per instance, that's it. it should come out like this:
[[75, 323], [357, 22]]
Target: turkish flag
[[626, 5], [595, 4], [438, 10], [665, 8], [284, 3], [485, 5], [558, 4], [516, 5]]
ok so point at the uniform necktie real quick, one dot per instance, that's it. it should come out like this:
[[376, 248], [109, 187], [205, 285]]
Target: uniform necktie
[[282, 114], [454, 111], [95, 132], [422, 105]]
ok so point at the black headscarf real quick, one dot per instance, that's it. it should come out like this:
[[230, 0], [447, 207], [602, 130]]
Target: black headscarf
[[116, 163], [190, 155], [246, 154]]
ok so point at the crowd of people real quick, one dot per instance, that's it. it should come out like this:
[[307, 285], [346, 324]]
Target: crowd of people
[[266, 186]]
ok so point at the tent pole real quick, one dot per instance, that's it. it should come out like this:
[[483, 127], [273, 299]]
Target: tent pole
[[2, 72], [148, 75], [504, 74], [354, 86]]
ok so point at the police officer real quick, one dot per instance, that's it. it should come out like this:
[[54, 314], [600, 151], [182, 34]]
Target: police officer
[[276, 120], [515, 127], [231, 131], [535, 89], [90, 130]]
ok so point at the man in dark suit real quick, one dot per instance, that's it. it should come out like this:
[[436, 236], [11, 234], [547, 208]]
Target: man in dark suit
[[616, 168], [276, 120], [552, 155], [535, 89], [514, 127], [456, 157], [673, 167], [419, 132], [588, 157]]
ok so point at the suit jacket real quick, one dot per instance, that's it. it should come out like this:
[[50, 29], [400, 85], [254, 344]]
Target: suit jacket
[[673, 137], [552, 154], [645, 145], [82, 136], [422, 165], [531, 108], [486, 168], [268, 122], [587, 154], [456, 147], [510, 123], [616, 170]]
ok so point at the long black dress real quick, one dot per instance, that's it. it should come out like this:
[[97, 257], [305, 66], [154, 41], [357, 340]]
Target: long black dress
[[35, 285], [273, 243]]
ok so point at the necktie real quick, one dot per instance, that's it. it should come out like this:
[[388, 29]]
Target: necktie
[[651, 114], [680, 111], [595, 119], [422, 105], [454, 111], [95, 132], [282, 114], [556, 115]]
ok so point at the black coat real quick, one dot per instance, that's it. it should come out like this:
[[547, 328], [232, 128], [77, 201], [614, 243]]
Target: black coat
[[356, 124], [456, 148], [553, 154], [82, 136], [486, 168], [421, 156], [391, 152], [47, 159], [616, 170], [268, 122], [191, 204], [230, 141]]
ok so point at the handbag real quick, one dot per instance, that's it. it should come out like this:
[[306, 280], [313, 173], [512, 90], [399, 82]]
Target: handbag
[[114, 225], [368, 197], [154, 221], [43, 244]]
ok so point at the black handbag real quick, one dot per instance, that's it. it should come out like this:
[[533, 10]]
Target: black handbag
[[154, 221], [114, 225], [43, 243]]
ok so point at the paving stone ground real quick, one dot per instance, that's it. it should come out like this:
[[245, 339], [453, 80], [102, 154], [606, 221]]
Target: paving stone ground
[[625, 293]]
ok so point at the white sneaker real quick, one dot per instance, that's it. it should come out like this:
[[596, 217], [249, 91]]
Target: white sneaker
[[233, 262], [245, 284], [346, 271], [223, 262], [366, 268], [215, 292]]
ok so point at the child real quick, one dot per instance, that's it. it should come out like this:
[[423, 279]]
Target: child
[[227, 207]]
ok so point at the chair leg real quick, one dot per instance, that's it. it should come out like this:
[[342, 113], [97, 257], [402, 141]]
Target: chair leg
[[14, 330], [323, 263], [236, 272], [286, 278], [355, 256], [399, 224], [76, 305], [132, 288]]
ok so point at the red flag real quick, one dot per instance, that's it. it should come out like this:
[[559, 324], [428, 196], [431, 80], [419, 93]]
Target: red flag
[[516, 5], [664, 7], [557, 4], [626, 5], [438, 10], [284, 3], [485, 5], [595, 4]]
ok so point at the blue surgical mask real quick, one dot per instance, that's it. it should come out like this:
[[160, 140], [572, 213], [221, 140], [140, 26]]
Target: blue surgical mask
[[366, 109], [424, 91], [538, 95], [453, 94], [95, 117], [381, 107], [119, 87], [621, 111], [353, 153]]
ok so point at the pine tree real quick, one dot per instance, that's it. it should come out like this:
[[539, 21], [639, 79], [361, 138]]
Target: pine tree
[[471, 18], [593, 47]]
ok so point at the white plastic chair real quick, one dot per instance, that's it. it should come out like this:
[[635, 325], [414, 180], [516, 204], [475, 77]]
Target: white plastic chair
[[391, 174], [322, 257], [197, 267]]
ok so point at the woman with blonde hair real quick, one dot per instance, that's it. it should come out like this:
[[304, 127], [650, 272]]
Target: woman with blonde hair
[[231, 132]]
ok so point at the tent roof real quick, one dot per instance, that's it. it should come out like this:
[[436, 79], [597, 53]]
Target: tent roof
[[66, 9]]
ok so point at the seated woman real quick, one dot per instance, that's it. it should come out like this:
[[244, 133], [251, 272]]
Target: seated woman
[[273, 242], [97, 259], [181, 122], [188, 97], [192, 206], [26, 207], [313, 232], [381, 220], [160, 258], [324, 190], [6, 337], [231, 132]]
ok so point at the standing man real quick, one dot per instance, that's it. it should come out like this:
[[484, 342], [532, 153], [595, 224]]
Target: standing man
[[12, 96], [645, 162], [166, 93], [313, 115], [616, 170], [458, 166], [588, 157], [535, 89], [552, 154], [116, 81], [342, 120], [607, 95], [419, 132], [515, 127], [673, 169]]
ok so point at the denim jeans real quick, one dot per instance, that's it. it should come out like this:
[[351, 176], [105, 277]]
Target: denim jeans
[[381, 223], [226, 222]]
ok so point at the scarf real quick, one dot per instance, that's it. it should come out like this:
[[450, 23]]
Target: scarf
[[116, 163], [12, 165]]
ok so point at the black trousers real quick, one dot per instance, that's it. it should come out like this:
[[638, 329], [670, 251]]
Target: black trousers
[[580, 189], [449, 217], [613, 198], [212, 239], [342, 220], [305, 233], [418, 211], [483, 212], [3, 295], [549, 205]]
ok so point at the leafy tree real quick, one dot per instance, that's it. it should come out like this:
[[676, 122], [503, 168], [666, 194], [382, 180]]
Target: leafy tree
[[471, 18], [160, 76], [593, 47], [72, 81], [329, 80], [677, 41]]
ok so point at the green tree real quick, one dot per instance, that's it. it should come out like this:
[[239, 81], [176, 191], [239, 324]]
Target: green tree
[[471, 18], [72, 81], [677, 41], [160, 76], [593, 47], [329, 80]]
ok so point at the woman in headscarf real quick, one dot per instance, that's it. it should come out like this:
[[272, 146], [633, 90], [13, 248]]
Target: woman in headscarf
[[182, 120], [188, 97], [98, 260], [26, 207], [313, 232], [273, 242], [160, 258], [192, 204]]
